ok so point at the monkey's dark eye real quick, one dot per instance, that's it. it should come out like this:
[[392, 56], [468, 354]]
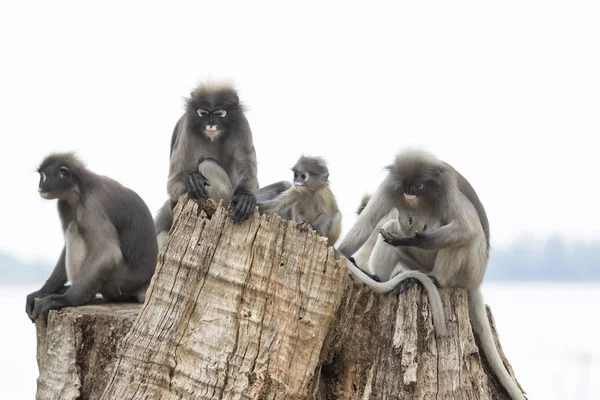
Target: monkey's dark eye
[[43, 176], [220, 113], [202, 113], [304, 176], [64, 172], [410, 220]]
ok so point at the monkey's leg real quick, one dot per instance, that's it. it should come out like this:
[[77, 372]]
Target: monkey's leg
[[384, 257], [99, 265], [163, 222], [54, 284], [271, 191], [219, 184]]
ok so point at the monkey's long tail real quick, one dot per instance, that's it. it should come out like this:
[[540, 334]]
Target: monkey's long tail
[[437, 308], [481, 325]]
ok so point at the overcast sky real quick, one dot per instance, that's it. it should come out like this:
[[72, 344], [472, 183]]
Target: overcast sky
[[507, 92]]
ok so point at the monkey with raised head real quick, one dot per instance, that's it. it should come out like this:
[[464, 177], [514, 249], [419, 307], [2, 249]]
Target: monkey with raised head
[[212, 155], [309, 202], [382, 262], [110, 245], [454, 253]]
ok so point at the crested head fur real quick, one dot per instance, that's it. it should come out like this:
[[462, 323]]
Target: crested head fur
[[312, 165], [212, 95], [422, 180], [67, 159]]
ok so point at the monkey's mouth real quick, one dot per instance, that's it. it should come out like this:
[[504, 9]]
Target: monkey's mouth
[[212, 133], [300, 184], [410, 197], [45, 194]]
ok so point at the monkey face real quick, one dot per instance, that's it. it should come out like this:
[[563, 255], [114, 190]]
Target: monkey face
[[213, 112], [56, 181]]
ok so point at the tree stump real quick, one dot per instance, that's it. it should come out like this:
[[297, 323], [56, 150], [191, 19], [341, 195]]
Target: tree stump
[[262, 310], [77, 350]]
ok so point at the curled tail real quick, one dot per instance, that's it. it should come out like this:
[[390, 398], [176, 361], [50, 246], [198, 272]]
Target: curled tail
[[481, 326], [437, 308]]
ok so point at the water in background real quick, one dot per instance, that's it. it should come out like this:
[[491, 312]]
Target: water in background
[[549, 333]]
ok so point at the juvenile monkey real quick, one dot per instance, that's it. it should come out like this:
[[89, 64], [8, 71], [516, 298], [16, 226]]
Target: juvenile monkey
[[454, 253], [110, 245], [382, 262], [212, 155], [310, 202]]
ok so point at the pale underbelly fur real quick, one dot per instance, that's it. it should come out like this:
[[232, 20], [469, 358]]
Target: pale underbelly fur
[[75, 252]]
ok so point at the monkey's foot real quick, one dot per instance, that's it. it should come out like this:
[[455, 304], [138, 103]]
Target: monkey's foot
[[405, 285]]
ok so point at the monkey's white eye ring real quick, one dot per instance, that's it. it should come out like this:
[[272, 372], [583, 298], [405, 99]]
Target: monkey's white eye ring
[[220, 113], [421, 186], [304, 176], [64, 172], [202, 113]]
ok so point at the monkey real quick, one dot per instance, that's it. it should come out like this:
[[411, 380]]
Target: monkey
[[310, 202], [110, 246], [382, 263], [211, 155], [454, 254]]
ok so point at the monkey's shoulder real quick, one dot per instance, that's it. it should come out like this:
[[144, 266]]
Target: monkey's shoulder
[[326, 199]]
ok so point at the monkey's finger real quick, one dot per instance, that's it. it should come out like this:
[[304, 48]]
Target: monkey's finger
[[239, 202], [199, 185], [191, 187], [249, 208]]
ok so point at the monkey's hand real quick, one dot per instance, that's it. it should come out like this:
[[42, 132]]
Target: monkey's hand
[[394, 240], [30, 303], [195, 185], [43, 306], [244, 206], [304, 226]]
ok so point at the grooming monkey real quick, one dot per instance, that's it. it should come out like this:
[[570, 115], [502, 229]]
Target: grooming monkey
[[310, 202], [110, 244], [382, 262], [454, 253], [212, 155]]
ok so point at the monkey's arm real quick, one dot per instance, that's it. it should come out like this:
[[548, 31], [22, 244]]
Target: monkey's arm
[[103, 259], [55, 282], [323, 223], [281, 204], [243, 175], [376, 209], [453, 234]]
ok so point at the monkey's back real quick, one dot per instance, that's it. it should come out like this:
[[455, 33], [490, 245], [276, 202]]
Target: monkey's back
[[134, 224]]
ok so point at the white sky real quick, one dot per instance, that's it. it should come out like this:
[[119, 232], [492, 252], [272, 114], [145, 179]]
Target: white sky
[[507, 92]]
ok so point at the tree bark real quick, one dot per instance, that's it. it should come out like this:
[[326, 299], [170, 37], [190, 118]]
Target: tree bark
[[77, 350], [262, 310]]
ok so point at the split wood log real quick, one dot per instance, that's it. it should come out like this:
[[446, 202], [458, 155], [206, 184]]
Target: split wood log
[[262, 310]]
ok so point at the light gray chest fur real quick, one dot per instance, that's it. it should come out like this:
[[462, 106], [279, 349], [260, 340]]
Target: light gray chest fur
[[75, 252]]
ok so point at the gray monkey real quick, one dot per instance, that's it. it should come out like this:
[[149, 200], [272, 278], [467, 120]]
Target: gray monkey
[[454, 253], [212, 155], [309, 202], [110, 245]]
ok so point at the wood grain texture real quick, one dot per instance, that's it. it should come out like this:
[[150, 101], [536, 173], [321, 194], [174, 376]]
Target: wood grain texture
[[77, 350], [233, 311]]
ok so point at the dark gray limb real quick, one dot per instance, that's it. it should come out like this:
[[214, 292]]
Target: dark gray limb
[[271, 191], [54, 284]]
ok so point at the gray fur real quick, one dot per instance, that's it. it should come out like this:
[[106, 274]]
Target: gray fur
[[110, 246], [386, 262], [454, 252], [310, 202], [271, 191], [227, 160]]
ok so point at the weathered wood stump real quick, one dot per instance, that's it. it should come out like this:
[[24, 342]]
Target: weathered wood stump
[[262, 310]]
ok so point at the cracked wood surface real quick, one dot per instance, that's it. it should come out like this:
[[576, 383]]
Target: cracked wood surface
[[233, 311], [77, 350]]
